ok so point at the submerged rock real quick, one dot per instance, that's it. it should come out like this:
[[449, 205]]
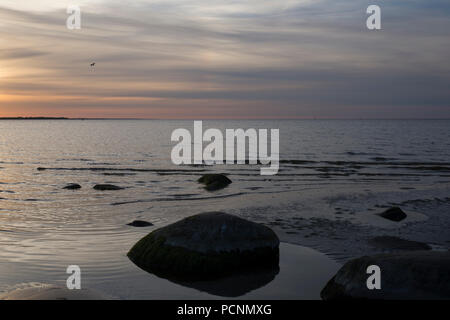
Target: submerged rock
[[395, 243], [72, 186], [140, 223], [214, 182], [104, 187], [406, 275], [206, 246], [393, 214]]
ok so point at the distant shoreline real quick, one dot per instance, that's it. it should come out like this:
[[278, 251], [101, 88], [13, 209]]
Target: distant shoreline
[[65, 118], [213, 119], [33, 118]]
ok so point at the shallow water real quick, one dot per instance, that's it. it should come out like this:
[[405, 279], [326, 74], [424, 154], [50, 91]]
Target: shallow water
[[333, 177], [302, 274]]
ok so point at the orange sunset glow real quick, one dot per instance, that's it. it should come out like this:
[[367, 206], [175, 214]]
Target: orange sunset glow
[[238, 61]]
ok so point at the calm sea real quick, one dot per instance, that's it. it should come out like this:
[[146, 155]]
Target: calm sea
[[334, 175]]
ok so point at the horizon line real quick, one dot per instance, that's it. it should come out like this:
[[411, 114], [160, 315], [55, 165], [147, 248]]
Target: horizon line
[[204, 119]]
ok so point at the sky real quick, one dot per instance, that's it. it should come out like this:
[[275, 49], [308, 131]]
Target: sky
[[203, 59]]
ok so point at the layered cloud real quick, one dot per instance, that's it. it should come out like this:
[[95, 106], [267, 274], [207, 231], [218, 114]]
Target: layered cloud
[[225, 59]]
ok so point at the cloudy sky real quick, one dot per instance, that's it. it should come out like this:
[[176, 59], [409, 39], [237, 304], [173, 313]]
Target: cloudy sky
[[225, 59]]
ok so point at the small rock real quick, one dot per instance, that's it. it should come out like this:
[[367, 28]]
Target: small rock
[[393, 214], [206, 246], [405, 275], [214, 182], [104, 187], [140, 223], [72, 186]]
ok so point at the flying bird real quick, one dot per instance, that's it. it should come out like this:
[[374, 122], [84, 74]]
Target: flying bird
[[92, 64]]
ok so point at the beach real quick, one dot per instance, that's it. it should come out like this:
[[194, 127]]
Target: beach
[[335, 177]]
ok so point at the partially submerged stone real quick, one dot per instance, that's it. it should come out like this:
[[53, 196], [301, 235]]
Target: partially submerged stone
[[72, 186], [206, 246], [106, 187], [406, 275], [140, 223], [394, 214], [214, 182]]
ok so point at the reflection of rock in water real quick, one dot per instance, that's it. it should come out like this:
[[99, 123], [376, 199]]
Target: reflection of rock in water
[[235, 285]]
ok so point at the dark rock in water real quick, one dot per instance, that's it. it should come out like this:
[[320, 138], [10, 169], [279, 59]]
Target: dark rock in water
[[104, 187], [140, 223], [393, 214], [394, 243], [405, 275], [206, 246], [72, 186], [214, 182]]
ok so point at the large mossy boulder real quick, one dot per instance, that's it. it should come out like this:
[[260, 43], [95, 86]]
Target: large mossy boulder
[[206, 246], [214, 182], [406, 275]]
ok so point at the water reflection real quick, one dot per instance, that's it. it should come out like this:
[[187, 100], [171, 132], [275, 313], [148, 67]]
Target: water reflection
[[235, 285]]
